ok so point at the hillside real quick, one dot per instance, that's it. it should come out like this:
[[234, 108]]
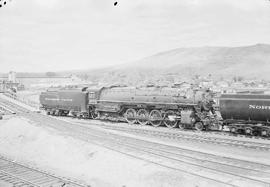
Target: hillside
[[183, 63]]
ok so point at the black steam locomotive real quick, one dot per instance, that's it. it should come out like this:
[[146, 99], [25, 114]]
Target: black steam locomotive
[[172, 107]]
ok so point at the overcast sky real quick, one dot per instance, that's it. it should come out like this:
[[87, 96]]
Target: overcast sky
[[53, 35]]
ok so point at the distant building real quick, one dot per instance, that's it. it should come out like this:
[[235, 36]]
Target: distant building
[[223, 84], [183, 85], [237, 85], [74, 78], [49, 81], [6, 85], [12, 76], [206, 84], [38, 81]]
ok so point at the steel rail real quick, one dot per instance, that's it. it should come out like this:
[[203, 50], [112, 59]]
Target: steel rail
[[15, 172]]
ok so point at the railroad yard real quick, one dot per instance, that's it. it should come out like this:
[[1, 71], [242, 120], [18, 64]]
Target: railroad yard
[[41, 150], [134, 93]]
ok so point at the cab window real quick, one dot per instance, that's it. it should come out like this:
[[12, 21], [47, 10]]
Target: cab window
[[92, 95]]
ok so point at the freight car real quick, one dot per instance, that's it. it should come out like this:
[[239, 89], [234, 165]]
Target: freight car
[[246, 113]]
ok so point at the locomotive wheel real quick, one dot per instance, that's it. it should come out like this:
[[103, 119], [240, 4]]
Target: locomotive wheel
[[56, 112], [60, 113], [248, 130], [182, 126], [143, 117], [155, 118], [264, 132], [130, 116], [168, 122], [94, 115], [198, 126], [233, 129]]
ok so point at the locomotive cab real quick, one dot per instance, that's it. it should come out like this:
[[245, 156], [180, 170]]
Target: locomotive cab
[[93, 97]]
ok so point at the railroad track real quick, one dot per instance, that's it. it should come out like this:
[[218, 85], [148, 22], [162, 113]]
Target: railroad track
[[6, 109], [213, 132], [18, 174], [21, 175], [223, 171], [195, 138], [178, 135], [174, 134], [13, 107]]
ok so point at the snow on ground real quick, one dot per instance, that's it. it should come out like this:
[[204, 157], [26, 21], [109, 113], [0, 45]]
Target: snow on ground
[[51, 150]]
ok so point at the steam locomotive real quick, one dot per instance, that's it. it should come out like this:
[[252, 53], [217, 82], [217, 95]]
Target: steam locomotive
[[172, 107]]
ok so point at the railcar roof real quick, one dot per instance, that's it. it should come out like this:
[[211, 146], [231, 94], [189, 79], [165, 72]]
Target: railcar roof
[[246, 96], [71, 89]]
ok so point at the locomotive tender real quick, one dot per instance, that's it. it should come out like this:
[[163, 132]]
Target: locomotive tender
[[173, 107], [62, 101]]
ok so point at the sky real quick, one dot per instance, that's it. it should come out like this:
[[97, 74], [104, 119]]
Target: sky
[[57, 35]]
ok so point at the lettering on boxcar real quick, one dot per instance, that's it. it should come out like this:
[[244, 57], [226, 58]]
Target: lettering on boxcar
[[259, 107]]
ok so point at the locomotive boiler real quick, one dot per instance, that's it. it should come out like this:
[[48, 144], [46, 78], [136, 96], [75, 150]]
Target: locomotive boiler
[[246, 113], [156, 106]]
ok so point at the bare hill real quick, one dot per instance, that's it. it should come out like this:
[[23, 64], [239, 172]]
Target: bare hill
[[246, 61], [184, 63]]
